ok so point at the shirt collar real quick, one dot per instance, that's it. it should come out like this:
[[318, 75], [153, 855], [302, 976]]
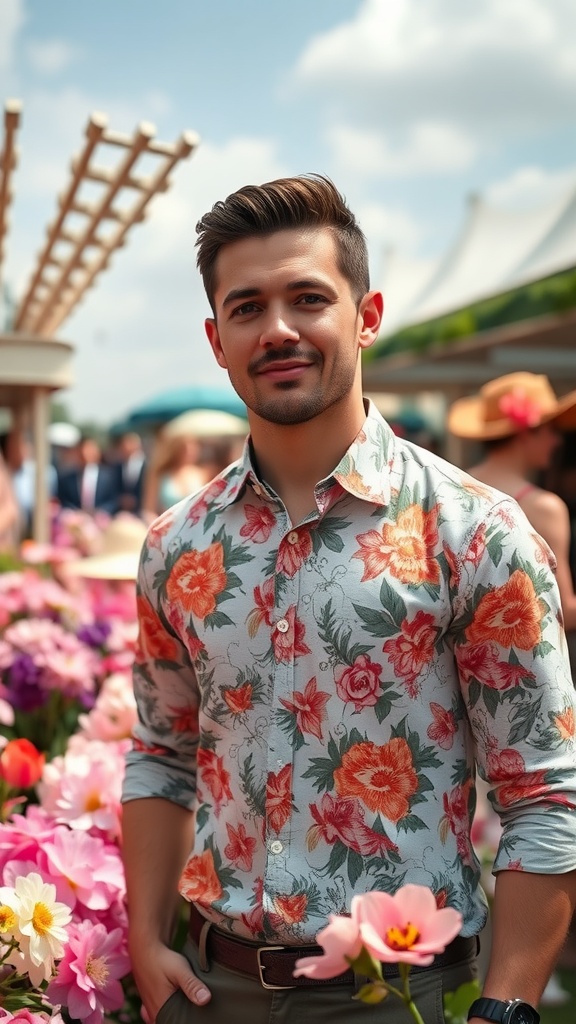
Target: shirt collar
[[364, 470]]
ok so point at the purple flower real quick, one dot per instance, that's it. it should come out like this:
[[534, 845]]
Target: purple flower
[[94, 634], [24, 684]]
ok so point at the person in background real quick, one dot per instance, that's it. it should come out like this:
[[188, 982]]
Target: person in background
[[9, 511], [329, 633], [520, 421], [173, 472], [89, 485], [130, 463]]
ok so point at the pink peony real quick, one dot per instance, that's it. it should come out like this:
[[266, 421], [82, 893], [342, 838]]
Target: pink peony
[[406, 927], [83, 787], [114, 715], [87, 978]]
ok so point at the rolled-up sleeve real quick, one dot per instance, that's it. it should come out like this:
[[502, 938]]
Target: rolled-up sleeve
[[512, 658], [162, 761]]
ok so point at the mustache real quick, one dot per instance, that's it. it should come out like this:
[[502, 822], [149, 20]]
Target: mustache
[[282, 356]]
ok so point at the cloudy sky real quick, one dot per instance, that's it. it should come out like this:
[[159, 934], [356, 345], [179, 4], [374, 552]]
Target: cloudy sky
[[409, 105]]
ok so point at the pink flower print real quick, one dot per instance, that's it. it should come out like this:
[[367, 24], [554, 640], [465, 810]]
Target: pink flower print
[[290, 643], [443, 728], [240, 849], [260, 521], [308, 707], [293, 552], [359, 684]]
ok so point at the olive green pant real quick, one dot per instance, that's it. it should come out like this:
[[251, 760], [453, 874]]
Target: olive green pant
[[240, 1000]]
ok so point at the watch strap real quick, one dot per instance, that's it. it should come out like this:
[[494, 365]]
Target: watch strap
[[489, 1009]]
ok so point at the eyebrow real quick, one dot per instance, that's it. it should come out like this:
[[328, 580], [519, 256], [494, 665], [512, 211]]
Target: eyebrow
[[293, 286]]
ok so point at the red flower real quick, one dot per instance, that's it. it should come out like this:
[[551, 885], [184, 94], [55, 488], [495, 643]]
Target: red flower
[[520, 408], [507, 768], [200, 507], [359, 683], [21, 764], [308, 708], [196, 579], [215, 777], [239, 699], [342, 819], [153, 639], [477, 546], [240, 849], [291, 557], [481, 662], [260, 521], [290, 644], [279, 797], [443, 728], [185, 719], [412, 649], [457, 817]]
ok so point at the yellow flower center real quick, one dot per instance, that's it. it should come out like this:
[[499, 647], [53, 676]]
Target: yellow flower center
[[92, 802], [7, 919], [402, 938], [97, 969], [42, 918]]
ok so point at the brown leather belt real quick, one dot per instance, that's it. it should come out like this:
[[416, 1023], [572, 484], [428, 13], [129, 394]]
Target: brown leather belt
[[272, 966]]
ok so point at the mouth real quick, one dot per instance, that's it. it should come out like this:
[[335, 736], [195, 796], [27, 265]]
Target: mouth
[[288, 369]]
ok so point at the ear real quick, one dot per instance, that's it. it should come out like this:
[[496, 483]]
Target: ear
[[370, 315], [211, 328]]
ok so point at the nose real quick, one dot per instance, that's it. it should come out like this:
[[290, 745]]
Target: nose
[[276, 330]]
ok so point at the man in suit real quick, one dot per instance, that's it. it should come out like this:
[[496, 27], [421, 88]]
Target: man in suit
[[89, 485], [130, 466]]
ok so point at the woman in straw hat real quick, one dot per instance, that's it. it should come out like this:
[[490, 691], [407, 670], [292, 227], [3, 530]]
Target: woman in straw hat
[[520, 420]]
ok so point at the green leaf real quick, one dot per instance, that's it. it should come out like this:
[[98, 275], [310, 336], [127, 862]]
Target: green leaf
[[392, 603], [372, 993], [376, 622], [457, 1004]]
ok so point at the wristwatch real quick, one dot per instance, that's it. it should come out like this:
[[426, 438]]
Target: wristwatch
[[504, 1011]]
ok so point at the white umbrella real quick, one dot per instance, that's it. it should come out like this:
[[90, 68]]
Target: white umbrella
[[206, 423]]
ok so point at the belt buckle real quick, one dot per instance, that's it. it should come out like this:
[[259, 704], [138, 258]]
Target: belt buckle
[[262, 967]]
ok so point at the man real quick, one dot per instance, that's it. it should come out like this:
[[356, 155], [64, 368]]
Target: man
[[89, 485], [130, 466], [334, 634]]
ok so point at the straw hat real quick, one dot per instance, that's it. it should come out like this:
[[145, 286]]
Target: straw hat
[[509, 405], [119, 553]]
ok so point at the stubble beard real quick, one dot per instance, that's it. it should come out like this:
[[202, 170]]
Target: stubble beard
[[288, 410]]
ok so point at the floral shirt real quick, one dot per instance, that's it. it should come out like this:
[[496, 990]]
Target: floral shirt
[[322, 692]]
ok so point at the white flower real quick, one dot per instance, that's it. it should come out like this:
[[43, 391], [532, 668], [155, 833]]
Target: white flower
[[41, 920]]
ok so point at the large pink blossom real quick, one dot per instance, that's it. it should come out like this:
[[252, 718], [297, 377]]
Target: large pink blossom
[[114, 715], [83, 787], [90, 868], [87, 979], [407, 927]]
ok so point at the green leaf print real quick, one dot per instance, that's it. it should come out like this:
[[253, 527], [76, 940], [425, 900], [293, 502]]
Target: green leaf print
[[336, 638], [524, 719], [326, 534], [392, 604], [255, 794]]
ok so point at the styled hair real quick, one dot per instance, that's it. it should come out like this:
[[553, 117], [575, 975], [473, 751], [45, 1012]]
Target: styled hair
[[306, 201]]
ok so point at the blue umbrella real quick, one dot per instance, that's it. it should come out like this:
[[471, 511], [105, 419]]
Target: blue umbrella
[[168, 404]]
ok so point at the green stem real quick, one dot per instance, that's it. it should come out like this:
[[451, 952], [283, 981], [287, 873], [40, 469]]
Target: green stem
[[406, 995]]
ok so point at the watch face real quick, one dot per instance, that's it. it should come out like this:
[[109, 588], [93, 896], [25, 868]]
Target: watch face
[[523, 1014]]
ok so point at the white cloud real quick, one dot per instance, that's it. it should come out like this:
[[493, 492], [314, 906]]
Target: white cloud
[[502, 66], [429, 148], [12, 18], [50, 56], [531, 186]]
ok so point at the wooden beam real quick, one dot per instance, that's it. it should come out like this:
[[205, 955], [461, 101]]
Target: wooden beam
[[8, 161]]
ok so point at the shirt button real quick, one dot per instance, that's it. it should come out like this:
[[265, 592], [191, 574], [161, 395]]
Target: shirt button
[[276, 846], [282, 626], [292, 537]]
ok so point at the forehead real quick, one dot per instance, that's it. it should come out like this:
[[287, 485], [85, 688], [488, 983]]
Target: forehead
[[265, 260]]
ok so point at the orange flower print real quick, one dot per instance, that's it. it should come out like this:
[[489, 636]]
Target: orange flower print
[[290, 643], [510, 615], [239, 699], [382, 777], [564, 722], [308, 707], [412, 649], [240, 849], [196, 580], [291, 909], [279, 797], [199, 882], [153, 640], [406, 549], [215, 777], [291, 556]]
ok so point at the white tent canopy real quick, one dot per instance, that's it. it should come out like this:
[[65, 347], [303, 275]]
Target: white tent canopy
[[497, 249]]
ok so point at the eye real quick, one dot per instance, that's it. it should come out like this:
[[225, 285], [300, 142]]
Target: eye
[[309, 299], [245, 309]]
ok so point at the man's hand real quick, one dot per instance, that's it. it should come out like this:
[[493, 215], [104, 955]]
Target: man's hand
[[159, 972]]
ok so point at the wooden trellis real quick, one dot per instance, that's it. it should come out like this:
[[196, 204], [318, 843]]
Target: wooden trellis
[[8, 159], [73, 256]]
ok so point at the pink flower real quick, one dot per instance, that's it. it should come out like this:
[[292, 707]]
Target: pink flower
[[88, 869], [360, 683], [87, 978], [114, 714], [520, 408], [406, 927], [83, 788]]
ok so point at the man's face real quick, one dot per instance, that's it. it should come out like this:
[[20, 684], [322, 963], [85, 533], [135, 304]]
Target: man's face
[[287, 328]]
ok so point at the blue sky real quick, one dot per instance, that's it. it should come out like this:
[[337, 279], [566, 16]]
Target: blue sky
[[409, 105]]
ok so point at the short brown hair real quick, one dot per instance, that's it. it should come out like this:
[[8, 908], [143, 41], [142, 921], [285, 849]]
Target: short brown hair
[[306, 201]]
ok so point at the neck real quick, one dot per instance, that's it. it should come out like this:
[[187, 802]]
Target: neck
[[293, 459], [504, 468]]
